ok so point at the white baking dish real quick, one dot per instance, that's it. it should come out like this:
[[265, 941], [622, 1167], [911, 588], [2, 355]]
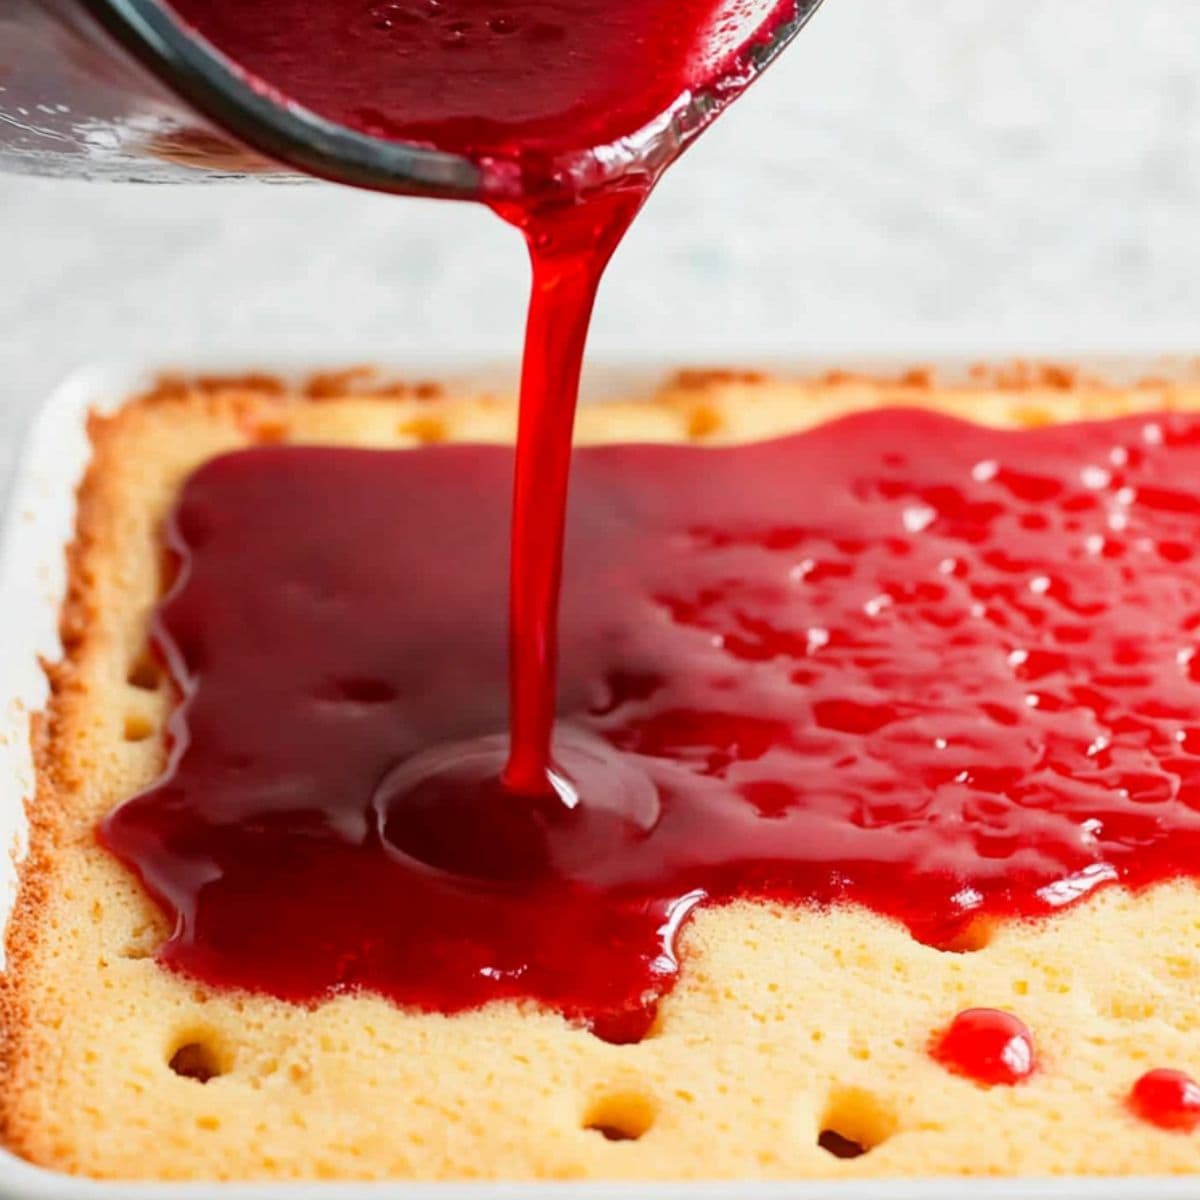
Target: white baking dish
[[32, 575]]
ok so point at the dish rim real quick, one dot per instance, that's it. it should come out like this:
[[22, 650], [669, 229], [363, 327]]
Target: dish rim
[[37, 524]]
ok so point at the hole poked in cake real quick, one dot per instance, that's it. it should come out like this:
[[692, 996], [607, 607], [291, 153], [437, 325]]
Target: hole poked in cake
[[137, 727], [621, 1116], [839, 1146], [144, 672], [854, 1122], [198, 1056]]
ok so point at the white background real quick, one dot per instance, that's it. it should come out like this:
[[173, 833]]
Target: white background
[[988, 170]]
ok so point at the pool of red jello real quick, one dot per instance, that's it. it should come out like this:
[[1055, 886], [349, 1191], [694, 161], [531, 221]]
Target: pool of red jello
[[938, 670]]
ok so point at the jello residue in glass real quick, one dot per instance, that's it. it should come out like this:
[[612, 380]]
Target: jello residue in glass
[[1167, 1098], [572, 108]]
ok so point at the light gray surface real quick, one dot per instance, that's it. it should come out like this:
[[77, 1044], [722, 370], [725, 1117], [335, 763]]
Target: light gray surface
[[1020, 168]]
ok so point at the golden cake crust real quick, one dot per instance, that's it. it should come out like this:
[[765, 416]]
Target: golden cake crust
[[785, 1022]]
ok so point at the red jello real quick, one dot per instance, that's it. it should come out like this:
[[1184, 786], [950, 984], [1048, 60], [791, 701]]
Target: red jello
[[1169, 1099], [571, 109], [987, 1045], [939, 670], [523, 79]]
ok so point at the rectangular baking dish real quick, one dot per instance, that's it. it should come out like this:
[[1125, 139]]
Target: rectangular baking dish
[[39, 522]]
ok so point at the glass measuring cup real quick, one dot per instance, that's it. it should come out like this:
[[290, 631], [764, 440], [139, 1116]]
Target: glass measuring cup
[[122, 90]]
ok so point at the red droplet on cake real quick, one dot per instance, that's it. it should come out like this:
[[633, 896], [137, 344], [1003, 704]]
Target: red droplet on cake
[[988, 1046], [1166, 1098]]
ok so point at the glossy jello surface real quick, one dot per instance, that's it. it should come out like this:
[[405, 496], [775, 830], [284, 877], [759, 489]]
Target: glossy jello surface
[[942, 671], [987, 1045]]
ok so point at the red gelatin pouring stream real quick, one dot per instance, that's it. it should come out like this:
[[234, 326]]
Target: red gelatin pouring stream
[[901, 661], [942, 671], [572, 109]]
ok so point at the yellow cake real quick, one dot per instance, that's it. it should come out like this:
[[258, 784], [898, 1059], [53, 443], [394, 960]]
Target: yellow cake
[[784, 1024]]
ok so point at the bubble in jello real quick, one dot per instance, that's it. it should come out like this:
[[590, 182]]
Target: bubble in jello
[[987, 1045]]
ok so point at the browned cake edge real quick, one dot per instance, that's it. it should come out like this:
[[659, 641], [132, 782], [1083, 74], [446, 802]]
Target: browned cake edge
[[259, 404]]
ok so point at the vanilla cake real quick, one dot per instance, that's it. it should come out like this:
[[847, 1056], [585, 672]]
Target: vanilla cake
[[788, 1028]]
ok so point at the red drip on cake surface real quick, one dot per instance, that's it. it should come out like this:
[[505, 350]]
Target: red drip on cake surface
[[1167, 1098], [941, 671], [987, 1045]]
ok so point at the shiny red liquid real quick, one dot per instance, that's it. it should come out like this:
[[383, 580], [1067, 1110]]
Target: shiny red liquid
[[573, 108], [517, 80], [988, 1046], [1168, 1099], [942, 671]]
